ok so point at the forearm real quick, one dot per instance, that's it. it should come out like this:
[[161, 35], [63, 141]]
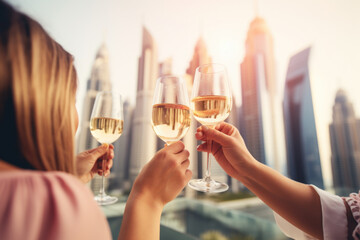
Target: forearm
[[141, 219], [296, 202]]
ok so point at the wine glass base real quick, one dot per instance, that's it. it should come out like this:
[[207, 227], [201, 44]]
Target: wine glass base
[[105, 199], [208, 186]]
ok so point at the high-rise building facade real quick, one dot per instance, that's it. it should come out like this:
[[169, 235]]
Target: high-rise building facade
[[200, 56], [119, 175], [165, 69], [345, 146], [303, 159], [234, 184], [198, 159], [143, 143], [99, 81], [258, 88]]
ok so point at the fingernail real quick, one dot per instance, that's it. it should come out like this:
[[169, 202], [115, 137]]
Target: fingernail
[[105, 146], [199, 134]]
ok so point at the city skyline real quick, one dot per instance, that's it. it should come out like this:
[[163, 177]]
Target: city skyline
[[327, 26]]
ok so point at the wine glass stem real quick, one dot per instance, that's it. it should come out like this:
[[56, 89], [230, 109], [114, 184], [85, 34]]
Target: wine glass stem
[[103, 167], [208, 163]]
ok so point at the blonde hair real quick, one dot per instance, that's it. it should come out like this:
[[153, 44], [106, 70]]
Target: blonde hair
[[37, 88]]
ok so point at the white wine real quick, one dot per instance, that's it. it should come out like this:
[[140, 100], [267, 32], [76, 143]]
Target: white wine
[[170, 121], [211, 109], [106, 130]]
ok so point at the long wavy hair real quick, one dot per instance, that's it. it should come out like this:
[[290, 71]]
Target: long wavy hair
[[37, 89]]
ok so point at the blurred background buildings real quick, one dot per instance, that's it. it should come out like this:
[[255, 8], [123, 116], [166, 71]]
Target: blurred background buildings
[[257, 118]]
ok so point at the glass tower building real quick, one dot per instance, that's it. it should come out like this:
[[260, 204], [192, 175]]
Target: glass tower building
[[345, 146], [303, 159], [258, 90]]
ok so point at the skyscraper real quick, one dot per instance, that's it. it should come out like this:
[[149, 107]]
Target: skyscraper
[[119, 175], [302, 150], [143, 144], [165, 68], [200, 56], [99, 81], [345, 146], [233, 119], [198, 159], [258, 86]]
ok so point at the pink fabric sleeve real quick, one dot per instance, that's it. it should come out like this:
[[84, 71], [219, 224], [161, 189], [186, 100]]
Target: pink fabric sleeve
[[48, 205], [333, 216]]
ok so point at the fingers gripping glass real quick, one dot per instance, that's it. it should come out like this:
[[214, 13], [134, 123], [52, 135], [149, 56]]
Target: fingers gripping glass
[[170, 113], [106, 126], [211, 102]]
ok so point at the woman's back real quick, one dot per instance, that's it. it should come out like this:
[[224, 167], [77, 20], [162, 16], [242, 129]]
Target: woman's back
[[48, 205]]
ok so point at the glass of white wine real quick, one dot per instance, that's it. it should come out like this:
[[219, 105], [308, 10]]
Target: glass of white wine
[[211, 102], [106, 126], [170, 112]]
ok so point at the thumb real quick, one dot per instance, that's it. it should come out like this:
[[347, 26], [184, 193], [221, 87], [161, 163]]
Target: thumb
[[216, 135]]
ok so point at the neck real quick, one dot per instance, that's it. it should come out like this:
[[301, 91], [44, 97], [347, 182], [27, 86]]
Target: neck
[[4, 166]]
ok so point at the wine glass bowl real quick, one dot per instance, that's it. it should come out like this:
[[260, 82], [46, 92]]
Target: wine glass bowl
[[170, 112], [211, 109], [106, 126], [106, 130], [211, 102]]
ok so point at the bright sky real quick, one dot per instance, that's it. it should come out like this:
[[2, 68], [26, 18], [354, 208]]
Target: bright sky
[[331, 27]]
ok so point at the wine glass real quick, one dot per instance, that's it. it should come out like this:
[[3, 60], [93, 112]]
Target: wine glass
[[106, 126], [211, 102], [170, 112]]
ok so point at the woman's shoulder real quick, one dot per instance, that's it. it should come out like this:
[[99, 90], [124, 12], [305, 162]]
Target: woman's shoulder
[[48, 205], [44, 184]]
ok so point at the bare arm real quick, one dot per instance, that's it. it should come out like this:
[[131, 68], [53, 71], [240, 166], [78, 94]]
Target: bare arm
[[296, 202], [141, 219], [159, 182]]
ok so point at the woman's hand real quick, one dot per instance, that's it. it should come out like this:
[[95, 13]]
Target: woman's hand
[[228, 148], [159, 182], [89, 163], [163, 178]]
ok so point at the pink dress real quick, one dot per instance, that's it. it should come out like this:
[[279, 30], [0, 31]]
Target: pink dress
[[48, 205]]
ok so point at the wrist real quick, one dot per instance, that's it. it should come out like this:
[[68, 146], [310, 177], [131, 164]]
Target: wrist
[[145, 198], [248, 169], [84, 178]]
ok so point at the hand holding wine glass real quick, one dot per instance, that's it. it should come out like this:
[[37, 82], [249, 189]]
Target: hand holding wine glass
[[211, 102], [171, 112], [106, 126], [87, 164]]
